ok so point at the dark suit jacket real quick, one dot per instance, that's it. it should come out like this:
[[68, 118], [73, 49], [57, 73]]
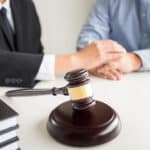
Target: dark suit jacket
[[20, 64]]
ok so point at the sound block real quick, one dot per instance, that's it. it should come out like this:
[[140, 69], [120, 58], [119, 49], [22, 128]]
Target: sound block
[[97, 125]]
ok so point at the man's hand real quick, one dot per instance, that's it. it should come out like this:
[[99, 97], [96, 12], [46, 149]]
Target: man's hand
[[95, 54], [99, 53], [115, 69], [106, 72]]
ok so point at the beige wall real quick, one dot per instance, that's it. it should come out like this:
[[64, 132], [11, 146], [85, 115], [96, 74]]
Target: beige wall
[[61, 22]]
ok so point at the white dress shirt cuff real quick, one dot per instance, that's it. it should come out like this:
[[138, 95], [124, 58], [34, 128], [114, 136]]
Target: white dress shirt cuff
[[47, 68]]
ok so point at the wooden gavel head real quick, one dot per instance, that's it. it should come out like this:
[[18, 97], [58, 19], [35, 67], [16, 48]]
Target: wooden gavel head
[[82, 121], [79, 89]]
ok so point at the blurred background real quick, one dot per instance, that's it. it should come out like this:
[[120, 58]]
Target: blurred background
[[61, 22]]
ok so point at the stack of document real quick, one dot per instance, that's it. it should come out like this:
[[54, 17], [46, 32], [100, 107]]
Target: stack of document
[[8, 128]]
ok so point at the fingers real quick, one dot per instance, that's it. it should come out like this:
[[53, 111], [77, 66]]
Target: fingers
[[106, 72], [119, 47], [113, 50], [94, 72], [99, 53], [113, 46], [114, 75], [109, 73], [113, 56]]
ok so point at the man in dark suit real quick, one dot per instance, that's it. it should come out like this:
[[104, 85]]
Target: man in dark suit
[[21, 58], [22, 61]]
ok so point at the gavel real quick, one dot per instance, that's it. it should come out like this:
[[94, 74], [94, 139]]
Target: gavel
[[81, 121]]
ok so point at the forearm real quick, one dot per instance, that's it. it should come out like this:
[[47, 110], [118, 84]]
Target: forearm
[[64, 63]]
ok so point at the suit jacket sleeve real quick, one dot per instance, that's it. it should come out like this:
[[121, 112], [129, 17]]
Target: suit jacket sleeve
[[19, 69]]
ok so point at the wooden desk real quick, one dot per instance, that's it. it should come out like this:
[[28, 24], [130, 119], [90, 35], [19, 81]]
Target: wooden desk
[[130, 97]]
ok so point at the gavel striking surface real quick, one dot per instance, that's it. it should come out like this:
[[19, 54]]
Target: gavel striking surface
[[94, 126]]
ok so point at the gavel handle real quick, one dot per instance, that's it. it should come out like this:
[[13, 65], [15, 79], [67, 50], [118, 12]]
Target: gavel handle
[[37, 92]]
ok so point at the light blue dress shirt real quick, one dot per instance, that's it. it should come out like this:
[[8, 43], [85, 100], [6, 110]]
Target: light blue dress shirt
[[125, 21]]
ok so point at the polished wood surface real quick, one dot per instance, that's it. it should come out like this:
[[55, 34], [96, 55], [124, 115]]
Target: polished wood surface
[[96, 125]]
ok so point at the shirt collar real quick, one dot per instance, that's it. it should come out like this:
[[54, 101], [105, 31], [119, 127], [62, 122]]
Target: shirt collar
[[6, 5]]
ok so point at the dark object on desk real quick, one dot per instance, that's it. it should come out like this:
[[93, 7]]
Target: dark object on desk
[[82, 121], [8, 117], [8, 127], [37, 92], [12, 144]]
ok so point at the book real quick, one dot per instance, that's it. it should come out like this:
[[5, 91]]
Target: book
[[8, 117], [9, 129], [11, 144], [7, 136]]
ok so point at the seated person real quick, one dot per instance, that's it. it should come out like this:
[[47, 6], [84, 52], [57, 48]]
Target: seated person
[[22, 61], [126, 22]]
